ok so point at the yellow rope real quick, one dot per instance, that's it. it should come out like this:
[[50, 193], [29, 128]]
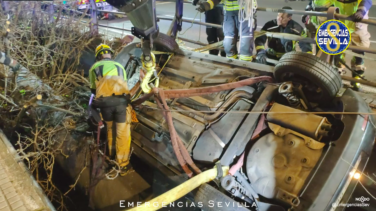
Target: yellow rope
[[157, 52], [171, 54]]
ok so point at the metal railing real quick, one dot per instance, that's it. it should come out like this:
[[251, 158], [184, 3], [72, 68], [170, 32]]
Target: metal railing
[[191, 21], [263, 9], [313, 13], [269, 34]]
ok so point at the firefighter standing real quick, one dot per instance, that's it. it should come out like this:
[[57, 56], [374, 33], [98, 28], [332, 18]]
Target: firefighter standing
[[313, 22], [215, 16], [357, 10], [231, 29], [108, 81], [277, 47]]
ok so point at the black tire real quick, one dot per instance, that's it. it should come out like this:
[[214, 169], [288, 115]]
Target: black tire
[[321, 82], [111, 16], [161, 43]]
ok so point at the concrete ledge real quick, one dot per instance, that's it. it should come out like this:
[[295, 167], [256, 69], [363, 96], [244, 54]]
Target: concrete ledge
[[18, 189]]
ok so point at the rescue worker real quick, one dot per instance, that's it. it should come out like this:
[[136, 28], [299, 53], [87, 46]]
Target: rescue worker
[[215, 16], [231, 29], [317, 6], [357, 10], [108, 81], [313, 22], [277, 47]]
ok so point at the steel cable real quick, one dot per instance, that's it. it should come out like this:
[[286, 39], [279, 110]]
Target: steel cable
[[265, 112]]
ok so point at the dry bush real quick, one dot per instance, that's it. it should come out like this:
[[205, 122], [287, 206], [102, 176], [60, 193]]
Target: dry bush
[[46, 45], [39, 150], [50, 47]]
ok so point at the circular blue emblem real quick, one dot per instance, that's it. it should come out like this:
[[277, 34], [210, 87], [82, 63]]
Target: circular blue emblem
[[333, 37]]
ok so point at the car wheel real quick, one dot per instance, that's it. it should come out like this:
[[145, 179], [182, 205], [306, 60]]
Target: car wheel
[[165, 43], [111, 17], [320, 81]]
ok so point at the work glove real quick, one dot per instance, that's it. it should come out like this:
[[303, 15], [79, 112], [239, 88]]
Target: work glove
[[203, 7], [308, 8], [288, 44], [305, 19], [358, 16], [261, 57]]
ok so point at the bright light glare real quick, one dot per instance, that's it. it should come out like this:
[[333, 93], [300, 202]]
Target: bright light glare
[[356, 175]]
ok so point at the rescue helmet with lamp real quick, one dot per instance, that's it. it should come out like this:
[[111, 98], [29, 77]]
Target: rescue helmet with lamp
[[103, 49]]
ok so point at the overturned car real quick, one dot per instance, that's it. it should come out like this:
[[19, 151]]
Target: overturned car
[[294, 143]]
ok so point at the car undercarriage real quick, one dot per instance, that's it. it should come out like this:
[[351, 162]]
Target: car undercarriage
[[293, 143], [291, 136]]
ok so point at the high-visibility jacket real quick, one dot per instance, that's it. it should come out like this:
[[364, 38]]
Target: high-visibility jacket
[[349, 7], [319, 6], [229, 5], [108, 78]]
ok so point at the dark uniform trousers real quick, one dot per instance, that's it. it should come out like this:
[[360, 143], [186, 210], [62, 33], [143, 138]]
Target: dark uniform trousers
[[232, 29], [215, 16]]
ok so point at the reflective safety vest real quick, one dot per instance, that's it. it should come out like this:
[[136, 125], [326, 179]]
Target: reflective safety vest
[[348, 7], [232, 5], [320, 6], [108, 78]]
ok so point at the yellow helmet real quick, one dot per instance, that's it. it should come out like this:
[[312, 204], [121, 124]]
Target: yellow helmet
[[103, 49]]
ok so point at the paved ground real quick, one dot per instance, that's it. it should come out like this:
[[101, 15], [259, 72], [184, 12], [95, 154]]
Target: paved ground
[[197, 33]]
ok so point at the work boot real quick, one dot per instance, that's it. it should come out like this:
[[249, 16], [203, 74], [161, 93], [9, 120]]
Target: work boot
[[246, 58], [357, 64], [113, 172], [126, 170], [358, 75], [232, 57]]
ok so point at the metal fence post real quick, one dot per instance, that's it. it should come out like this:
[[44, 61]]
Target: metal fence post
[[94, 20], [178, 18]]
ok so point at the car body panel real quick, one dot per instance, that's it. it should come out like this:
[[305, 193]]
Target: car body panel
[[341, 156]]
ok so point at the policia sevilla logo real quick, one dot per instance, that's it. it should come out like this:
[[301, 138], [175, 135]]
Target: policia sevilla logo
[[333, 37]]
